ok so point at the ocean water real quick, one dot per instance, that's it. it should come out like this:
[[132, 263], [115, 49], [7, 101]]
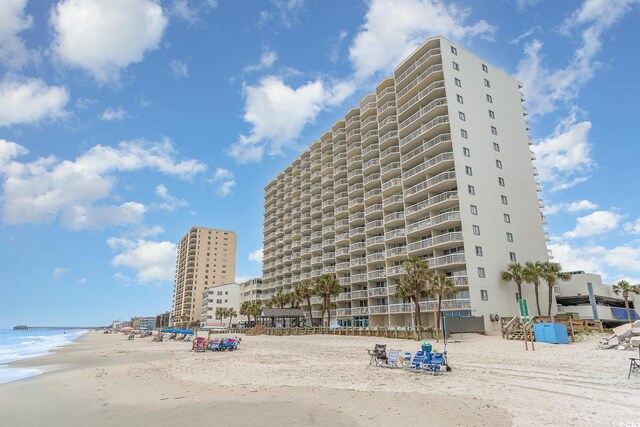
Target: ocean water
[[16, 345]]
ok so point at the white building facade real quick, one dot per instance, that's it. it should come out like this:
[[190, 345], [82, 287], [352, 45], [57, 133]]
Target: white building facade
[[225, 296], [251, 290], [435, 164]]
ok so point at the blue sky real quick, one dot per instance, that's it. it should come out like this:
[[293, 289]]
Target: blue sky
[[124, 123]]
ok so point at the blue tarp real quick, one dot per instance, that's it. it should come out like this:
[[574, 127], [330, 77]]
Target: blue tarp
[[621, 313]]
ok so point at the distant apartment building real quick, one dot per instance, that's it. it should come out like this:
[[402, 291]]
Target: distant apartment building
[[251, 290], [163, 320], [587, 297], [223, 296], [435, 164], [143, 322], [206, 258]]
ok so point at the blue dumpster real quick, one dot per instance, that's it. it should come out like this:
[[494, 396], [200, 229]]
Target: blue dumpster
[[551, 332]]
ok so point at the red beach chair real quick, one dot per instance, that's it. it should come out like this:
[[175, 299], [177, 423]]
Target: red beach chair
[[199, 344]]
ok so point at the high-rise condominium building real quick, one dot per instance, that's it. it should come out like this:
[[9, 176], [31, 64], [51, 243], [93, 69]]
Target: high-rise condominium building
[[434, 164], [251, 290], [206, 258]]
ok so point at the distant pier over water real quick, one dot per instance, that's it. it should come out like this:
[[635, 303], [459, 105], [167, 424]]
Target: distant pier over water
[[51, 328]]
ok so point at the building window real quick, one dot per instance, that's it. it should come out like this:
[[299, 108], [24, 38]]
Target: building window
[[218, 301], [484, 295], [504, 200], [485, 68], [496, 146], [226, 300], [461, 116], [458, 82], [489, 98], [466, 151], [456, 66], [464, 134], [498, 164], [479, 250], [509, 237], [468, 170], [481, 272], [486, 83], [494, 130], [507, 218], [472, 189], [454, 50], [460, 99], [501, 181], [219, 292], [512, 256], [476, 230], [474, 210], [492, 114]]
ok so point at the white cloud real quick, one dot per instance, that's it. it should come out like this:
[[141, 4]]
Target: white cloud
[[564, 157], [256, 256], [48, 188], [106, 37], [577, 206], [581, 205], [267, 59], [112, 114], [13, 52], [284, 11], [221, 174], [27, 101], [393, 29], [190, 12], [547, 88], [170, 203], [224, 180], [81, 217], [152, 261], [278, 113], [632, 227], [596, 223], [179, 69], [612, 263], [225, 188], [84, 103], [524, 4], [59, 271]]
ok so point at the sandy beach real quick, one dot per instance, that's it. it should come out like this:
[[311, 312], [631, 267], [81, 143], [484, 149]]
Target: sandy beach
[[105, 380]]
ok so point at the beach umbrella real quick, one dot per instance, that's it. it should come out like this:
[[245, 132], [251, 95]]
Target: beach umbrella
[[186, 331], [126, 329], [169, 330]]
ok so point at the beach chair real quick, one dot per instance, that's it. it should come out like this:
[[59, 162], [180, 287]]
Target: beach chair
[[199, 344], [418, 360], [214, 345], [378, 355], [181, 337], [634, 365], [130, 336], [392, 360], [158, 338]]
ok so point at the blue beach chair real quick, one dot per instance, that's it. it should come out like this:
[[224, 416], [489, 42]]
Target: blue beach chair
[[418, 360]]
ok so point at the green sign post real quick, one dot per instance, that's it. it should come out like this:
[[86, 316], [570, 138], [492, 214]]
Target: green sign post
[[524, 310]]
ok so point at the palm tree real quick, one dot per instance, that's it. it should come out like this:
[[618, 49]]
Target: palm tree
[[552, 273], [220, 313], [534, 273], [231, 313], [244, 310], [327, 286], [441, 286], [623, 287], [280, 299], [414, 285], [514, 273], [255, 308], [304, 290]]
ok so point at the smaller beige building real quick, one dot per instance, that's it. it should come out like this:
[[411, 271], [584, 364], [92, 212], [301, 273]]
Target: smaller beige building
[[251, 290], [585, 294], [225, 296]]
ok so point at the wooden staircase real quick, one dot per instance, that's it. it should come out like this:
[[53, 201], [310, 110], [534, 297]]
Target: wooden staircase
[[514, 329], [256, 330]]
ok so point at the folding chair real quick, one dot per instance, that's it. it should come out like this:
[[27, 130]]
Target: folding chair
[[378, 355]]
